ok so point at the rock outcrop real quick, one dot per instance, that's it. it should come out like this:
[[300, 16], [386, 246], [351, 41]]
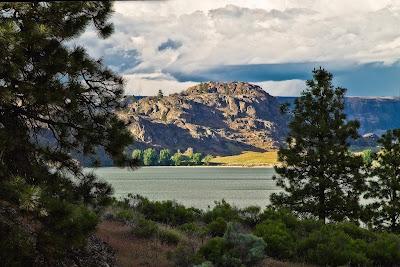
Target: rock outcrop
[[214, 117]]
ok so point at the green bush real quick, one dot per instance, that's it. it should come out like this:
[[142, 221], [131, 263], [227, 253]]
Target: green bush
[[250, 216], [331, 246], [385, 250], [169, 236], [233, 249], [125, 215], [247, 247], [217, 227], [193, 229], [65, 226], [279, 241], [224, 210], [282, 215], [145, 228], [184, 255], [214, 250], [167, 212], [16, 244]]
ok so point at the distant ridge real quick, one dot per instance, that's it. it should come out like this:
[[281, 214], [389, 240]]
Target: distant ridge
[[375, 114]]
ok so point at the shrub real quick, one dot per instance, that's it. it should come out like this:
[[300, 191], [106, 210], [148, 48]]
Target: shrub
[[16, 245], [168, 212], [169, 236], [279, 241], [125, 215], [184, 255], [233, 249], [331, 246], [193, 229], [217, 227], [145, 228], [65, 226], [250, 215], [224, 210], [283, 215], [385, 250], [247, 247], [214, 250]]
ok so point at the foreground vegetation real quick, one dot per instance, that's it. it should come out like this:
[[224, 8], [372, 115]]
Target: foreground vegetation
[[228, 236], [55, 101]]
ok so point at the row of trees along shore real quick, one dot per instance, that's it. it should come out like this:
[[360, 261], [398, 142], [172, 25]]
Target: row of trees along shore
[[150, 157], [321, 177]]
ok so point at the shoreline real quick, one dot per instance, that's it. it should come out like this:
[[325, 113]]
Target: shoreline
[[193, 167]]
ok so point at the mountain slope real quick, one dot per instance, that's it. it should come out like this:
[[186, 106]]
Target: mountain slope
[[375, 114], [213, 117]]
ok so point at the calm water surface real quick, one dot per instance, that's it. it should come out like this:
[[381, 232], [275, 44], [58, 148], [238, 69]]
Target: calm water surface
[[194, 186]]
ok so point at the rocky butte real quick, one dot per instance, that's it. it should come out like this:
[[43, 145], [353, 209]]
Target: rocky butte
[[214, 118]]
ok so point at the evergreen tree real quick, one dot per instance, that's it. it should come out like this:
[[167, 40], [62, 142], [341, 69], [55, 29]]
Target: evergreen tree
[[165, 157], [318, 173], [160, 94], [54, 100], [150, 157], [384, 187]]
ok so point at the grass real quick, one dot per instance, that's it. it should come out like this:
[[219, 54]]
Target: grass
[[248, 158], [132, 251]]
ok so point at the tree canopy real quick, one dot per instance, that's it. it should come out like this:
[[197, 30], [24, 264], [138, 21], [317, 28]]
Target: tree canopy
[[55, 101], [384, 184], [318, 173]]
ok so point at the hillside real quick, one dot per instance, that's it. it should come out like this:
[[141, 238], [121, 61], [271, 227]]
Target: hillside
[[215, 118], [375, 114]]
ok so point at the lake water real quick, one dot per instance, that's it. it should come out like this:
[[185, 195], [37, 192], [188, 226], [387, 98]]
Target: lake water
[[194, 186]]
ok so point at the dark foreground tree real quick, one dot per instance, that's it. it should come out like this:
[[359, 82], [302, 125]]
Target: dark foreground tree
[[384, 186], [319, 175], [55, 100]]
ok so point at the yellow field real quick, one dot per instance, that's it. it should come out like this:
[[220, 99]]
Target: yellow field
[[248, 158]]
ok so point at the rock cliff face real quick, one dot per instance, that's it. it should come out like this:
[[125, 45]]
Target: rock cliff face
[[217, 118]]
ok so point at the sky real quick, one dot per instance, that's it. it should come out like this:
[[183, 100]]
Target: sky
[[173, 44]]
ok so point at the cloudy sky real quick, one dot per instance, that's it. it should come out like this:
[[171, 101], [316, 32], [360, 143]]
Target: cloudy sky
[[173, 44]]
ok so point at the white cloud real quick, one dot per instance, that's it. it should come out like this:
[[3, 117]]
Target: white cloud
[[283, 88], [240, 32], [149, 84]]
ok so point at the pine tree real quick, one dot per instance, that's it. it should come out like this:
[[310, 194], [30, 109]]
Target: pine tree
[[54, 101], [384, 187], [319, 175], [160, 94]]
